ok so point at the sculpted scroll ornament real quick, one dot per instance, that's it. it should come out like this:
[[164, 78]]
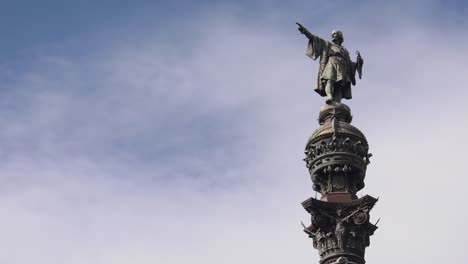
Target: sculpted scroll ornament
[[360, 217]]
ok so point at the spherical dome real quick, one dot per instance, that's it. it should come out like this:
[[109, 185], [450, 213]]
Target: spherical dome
[[339, 149], [334, 128]]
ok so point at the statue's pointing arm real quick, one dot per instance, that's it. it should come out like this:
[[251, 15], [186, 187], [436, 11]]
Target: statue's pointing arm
[[304, 31], [350, 215], [316, 44]]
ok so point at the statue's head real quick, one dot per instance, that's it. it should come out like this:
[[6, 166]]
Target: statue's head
[[339, 212], [337, 37]]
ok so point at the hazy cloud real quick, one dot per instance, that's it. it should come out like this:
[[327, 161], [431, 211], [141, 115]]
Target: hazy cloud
[[187, 145]]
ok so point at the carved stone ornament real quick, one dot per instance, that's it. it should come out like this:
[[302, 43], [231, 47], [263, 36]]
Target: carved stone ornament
[[337, 155]]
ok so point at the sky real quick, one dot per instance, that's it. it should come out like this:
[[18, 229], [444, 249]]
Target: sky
[[173, 132]]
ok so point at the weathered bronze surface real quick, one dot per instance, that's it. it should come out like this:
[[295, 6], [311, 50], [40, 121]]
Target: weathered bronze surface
[[337, 155], [336, 71]]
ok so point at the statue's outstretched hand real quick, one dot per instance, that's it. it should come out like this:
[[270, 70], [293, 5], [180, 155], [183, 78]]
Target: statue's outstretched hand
[[301, 28]]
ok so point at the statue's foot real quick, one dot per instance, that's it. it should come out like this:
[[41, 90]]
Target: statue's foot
[[329, 101]]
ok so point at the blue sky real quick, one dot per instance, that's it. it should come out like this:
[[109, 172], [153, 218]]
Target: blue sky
[[156, 132]]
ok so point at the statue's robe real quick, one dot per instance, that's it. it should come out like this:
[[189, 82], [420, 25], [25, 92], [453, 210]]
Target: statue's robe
[[335, 65]]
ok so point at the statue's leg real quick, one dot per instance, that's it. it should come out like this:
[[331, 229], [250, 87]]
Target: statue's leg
[[329, 90], [337, 94], [339, 240]]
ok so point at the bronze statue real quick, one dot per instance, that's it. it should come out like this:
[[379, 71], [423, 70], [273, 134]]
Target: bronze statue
[[337, 71], [341, 226]]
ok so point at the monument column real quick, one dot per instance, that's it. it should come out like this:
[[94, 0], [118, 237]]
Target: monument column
[[337, 155]]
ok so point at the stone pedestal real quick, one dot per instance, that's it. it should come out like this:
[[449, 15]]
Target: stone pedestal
[[337, 155]]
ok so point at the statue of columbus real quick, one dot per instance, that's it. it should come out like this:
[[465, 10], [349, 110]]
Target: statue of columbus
[[337, 71]]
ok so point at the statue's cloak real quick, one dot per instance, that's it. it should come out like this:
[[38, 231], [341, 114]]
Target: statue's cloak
[[335, 64]]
